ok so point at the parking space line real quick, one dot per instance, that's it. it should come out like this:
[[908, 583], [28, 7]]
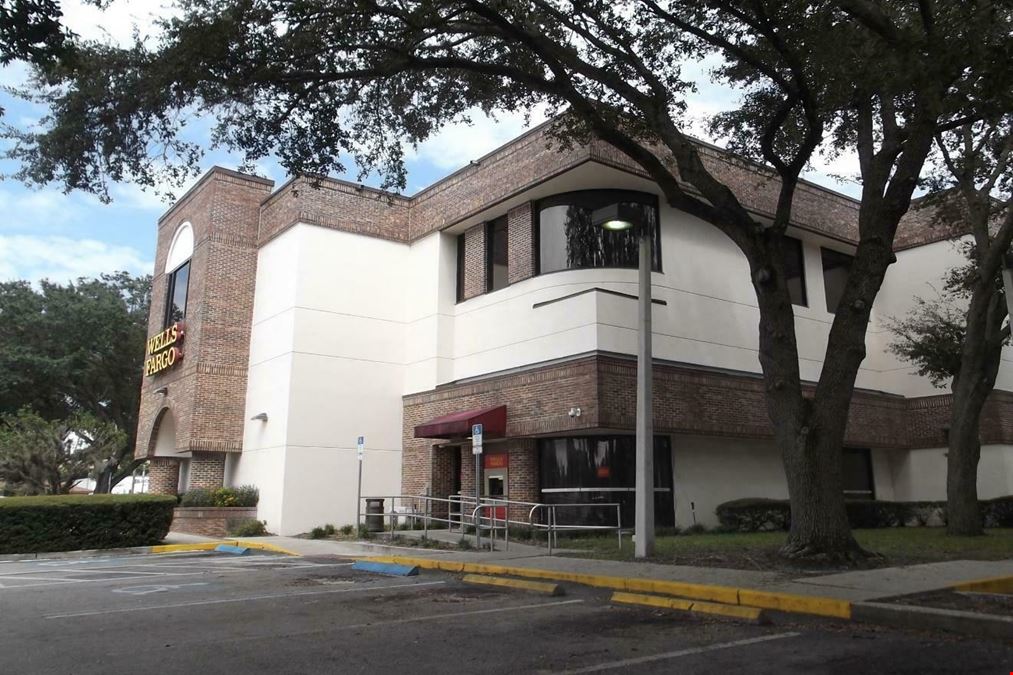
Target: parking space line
[[57, 582], [625, 663], [273, 596]]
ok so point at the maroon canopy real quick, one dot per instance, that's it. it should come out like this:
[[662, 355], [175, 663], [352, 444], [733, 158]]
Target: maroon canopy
[[458, 425]]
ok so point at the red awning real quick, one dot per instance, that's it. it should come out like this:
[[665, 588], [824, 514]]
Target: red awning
[[458, 425]]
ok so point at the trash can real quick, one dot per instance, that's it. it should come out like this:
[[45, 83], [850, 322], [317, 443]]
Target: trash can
[[374, 515]]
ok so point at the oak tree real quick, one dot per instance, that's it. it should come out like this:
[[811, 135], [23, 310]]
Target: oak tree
[[313, 82]]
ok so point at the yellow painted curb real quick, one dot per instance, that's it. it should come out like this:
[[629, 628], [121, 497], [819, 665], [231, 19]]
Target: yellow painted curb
[[783, 602], [519, 584], [212, 545], [754, 614], [651, 601], [995, 585]]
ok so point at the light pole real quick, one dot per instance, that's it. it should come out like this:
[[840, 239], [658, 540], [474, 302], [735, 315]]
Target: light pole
[[617, 217]]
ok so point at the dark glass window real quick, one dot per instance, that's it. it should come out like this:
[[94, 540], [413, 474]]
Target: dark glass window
[[858, 482], [176, 291], [794, 270], [460, 267], [836, 267], [496, 238], [567, 238], [602, 470]]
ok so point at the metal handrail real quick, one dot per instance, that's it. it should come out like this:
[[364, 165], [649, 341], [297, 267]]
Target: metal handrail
[[551, 526]]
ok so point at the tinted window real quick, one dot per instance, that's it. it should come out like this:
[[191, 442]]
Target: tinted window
[[496, 250], [794, 270], [460, 267], [175, 305], [858, 483], [568, 239], [602, 469], [836, 267]]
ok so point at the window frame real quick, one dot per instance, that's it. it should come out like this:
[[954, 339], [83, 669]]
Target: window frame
[[170, 292], [502, 223], [802, 276], [866, 454], [460, 267], [823, 266], [636, 196]]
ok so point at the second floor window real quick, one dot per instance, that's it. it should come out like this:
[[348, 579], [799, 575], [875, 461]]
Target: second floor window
[[794, 270], [836, 267], [568, 239], [178, 283], [496, 246]]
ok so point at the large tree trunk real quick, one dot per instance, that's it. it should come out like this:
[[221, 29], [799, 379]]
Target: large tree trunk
[[981, 354]]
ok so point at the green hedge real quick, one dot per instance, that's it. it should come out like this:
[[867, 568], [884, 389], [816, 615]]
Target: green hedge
[[764, 515], [80, 522]]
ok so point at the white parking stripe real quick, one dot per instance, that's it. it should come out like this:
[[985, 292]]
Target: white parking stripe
[[625, 663], [273, 596]]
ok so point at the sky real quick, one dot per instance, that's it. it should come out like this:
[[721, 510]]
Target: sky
[[46, 234]]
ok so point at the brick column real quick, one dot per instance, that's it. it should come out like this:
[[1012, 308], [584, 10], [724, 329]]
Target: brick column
[[475, 264], [520, 243], [467, 471], [522, 477], [207, 470], [443, 478], [163, 475]]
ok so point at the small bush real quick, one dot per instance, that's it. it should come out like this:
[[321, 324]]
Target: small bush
[[347, 529], [998, 512], [224, 497], [77, 522], [247, 495], [318, 533], [696, 528], [329, 530], [247, 527], [754, 514], [364, 532], [197, 497], [464, 544]]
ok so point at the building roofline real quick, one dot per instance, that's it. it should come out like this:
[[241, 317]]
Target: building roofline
[[212, 173]]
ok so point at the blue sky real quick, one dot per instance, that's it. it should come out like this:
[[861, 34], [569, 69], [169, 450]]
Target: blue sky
[[45, 233]]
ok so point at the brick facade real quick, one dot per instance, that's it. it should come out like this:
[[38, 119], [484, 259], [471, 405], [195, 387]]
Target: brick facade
[[163, 475], [209, 522], [686, 401], [475, 263], [207, 470], [521, 253]]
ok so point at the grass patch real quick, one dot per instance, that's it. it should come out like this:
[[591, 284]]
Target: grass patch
[[758, 550]]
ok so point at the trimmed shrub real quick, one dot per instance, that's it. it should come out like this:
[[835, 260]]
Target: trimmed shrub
[[764, 515], [224, 497], [247, 495], [754, 514], [247, 527], [998, 512], [80, 522], [197, 497], [347, 529]]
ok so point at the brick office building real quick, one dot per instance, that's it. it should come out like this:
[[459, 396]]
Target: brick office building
[[286, 323]]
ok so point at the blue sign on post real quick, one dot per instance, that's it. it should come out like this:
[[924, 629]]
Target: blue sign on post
[[476, 439], [360, 446]]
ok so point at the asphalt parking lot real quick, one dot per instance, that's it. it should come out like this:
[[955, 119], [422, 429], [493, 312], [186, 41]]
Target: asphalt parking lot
[[217, 613]]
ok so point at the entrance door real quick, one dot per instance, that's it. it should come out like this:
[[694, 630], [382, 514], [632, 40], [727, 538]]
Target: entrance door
[[496, 486]]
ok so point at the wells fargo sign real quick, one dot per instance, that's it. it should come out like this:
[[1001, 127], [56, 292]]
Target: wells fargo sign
[[164, 350]]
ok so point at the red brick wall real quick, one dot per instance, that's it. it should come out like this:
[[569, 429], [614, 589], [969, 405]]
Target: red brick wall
[[163, 475], [475, 263], [207, 470], [208, 522], [206, 392], [521, 253]]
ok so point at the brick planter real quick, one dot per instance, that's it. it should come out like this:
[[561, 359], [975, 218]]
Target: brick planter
[[208, 521]]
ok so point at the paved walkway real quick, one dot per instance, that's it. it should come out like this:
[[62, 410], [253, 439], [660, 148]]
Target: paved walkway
[[857, 586]]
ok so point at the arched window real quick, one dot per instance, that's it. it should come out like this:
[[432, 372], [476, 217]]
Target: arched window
[[177, 273], [567, 238]]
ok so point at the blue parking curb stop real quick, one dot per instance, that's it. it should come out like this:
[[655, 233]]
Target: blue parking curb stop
[[229, 548], [385, 568]]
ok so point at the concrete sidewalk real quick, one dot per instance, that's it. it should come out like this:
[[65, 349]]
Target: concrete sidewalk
[[856, 586]]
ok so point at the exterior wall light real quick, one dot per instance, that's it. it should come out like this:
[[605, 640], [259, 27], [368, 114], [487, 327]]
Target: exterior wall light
[[621, 216], [574, 412], [164, 391], [259, 416]]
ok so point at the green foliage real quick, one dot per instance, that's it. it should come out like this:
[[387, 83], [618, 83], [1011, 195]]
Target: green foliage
[[318, 532], [224, 497], [38, 456], [30, 30], [464, 544], [247, 527], [347, 529], [247, 495], [765, 515], [197, 497], [77, 522], [77, 348], [696, 528]]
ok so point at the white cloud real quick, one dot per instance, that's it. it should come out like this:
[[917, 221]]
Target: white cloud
[[116, 22], [64, 259], [457, 144]]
